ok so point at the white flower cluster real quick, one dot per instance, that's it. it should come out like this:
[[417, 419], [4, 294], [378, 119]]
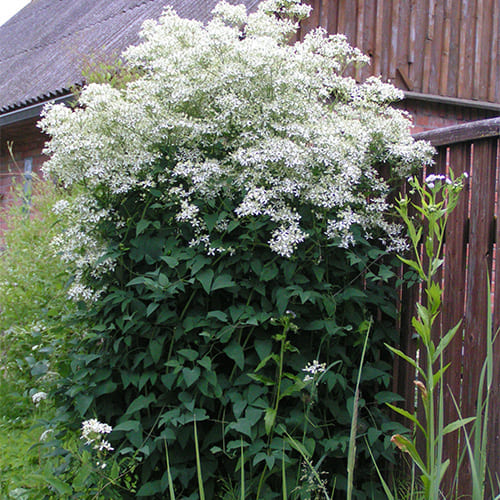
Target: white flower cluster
[[313, 369], [92, 433], [234, 110]]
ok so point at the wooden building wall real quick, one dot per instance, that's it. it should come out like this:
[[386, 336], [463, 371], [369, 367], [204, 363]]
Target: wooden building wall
[[442, 47], [21, 144]]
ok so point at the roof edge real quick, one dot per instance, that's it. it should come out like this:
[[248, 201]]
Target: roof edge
[[32, 111]]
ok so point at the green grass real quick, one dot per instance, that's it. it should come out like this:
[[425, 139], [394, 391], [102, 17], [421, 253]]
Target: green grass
[[17, 435]]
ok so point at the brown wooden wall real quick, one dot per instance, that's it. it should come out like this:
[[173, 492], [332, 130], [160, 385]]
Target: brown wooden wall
[[442, 47], [26, 141]]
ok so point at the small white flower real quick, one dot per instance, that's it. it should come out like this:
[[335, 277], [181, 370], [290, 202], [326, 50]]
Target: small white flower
[[103, 445], [38, 396], [314, 367]]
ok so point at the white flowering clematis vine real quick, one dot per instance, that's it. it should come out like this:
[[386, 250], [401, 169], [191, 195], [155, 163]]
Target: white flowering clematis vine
[[234, 109]]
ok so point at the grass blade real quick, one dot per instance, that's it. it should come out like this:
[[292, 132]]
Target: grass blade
[[198, 463], [242, 472], [385, 486], [169, 476], [351, 456], [283, 475]]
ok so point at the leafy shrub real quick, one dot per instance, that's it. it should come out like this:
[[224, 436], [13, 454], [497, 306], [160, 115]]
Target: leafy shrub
[[233, 229], [181, 336]]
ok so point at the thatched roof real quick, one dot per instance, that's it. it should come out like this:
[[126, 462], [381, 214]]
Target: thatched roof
[[44, 46]]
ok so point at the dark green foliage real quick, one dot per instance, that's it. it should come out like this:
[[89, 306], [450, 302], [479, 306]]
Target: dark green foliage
[[181, 336]]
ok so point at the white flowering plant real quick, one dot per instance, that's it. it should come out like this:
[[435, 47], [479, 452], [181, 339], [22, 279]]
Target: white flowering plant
[[84, 465], [237, 175], [232, 110]]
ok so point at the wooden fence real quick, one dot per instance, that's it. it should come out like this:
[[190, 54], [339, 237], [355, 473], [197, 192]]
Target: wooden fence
[[472, 254]]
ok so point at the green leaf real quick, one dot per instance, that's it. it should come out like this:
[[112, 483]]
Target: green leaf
[[269, 272], [235, 352], [205, 278], [387, 397], [282, 297], [40, 368], [191, 375], [222, 281], [106, 387], [220, 315], [150, 489], [63, 489], [242, 425], [141, 226], [269, 419], [198, 262], [444, 342], [171, 262], [82, 403], [292, 389], [152, 308], [140, 403], [408, 415], [263, 363], [205, 362], [190, 354], [405, 445], [263, 348], [401, 354], [413, 265], [155, 349], [261, 378], [128, 425], [457, 425], [298, 446], [372, 435], [439, 375]]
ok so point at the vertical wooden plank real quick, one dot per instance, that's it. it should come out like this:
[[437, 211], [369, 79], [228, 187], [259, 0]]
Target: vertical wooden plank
[[313, 20], [379, 23], [428, 46], [360, 32], [478, 18], [480, 252], [341, 18], [462, 58], [333, 16], [445, 55], [454, 304], [324, 16], [454, 48], [493, 77], [370, 9], [411, 39], [493, 459], [393, 49]]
